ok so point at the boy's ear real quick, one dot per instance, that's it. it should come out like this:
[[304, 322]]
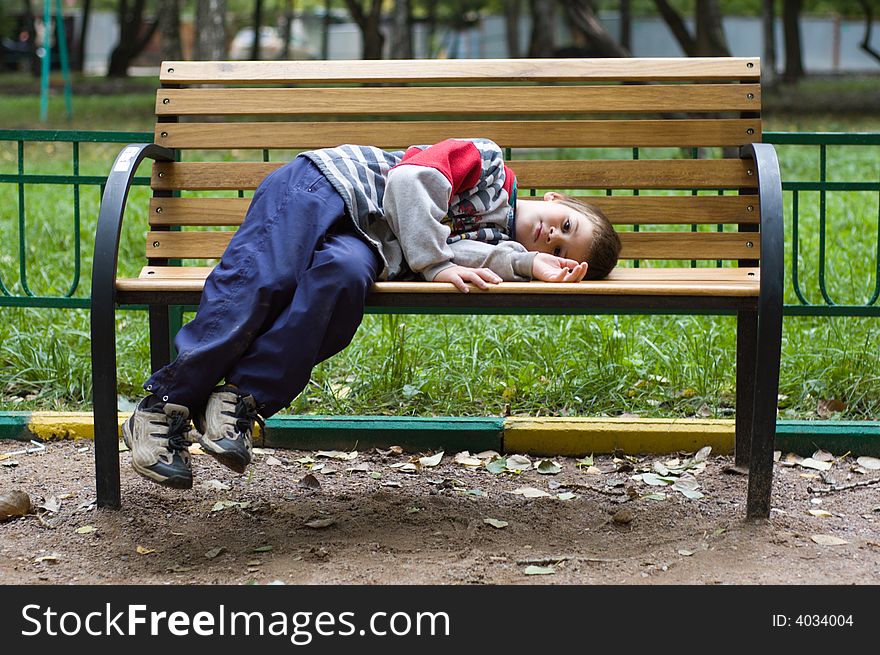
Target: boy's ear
[[552, 195]]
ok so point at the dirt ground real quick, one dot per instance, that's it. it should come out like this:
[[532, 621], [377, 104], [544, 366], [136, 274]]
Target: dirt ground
[[368, 520]]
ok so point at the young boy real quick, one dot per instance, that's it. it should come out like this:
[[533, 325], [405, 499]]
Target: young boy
[[289, 291]]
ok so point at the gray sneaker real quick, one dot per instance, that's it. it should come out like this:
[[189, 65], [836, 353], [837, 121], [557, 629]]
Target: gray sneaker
[[226, 428], [157, 434]]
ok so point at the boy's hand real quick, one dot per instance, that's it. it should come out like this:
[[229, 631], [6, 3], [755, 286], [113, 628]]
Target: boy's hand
[[461, 275], [549, 268]]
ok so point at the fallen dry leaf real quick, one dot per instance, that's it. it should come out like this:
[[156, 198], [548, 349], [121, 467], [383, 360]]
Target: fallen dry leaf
[[86, 529], [827, 408], [337, 454], [51, 505], [811, 463], [273, 461], [52, 558], [466, 459], [214, 552], [214, 485], [309, 481], [144, 551], [820, 512], [870, 463], [828, 540], [320, 523], [530, 492], [823, 456], [540, 570], [14, 503], [496, 523], [433, 460], [518, 463]]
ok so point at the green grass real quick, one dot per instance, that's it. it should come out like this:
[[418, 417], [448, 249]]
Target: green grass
[[456, 365]]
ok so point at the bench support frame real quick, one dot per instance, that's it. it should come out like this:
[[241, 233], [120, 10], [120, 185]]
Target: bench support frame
[[759, 324]]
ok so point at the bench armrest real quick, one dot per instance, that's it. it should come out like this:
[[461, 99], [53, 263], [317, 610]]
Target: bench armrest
[[772, 234], [111, 212]]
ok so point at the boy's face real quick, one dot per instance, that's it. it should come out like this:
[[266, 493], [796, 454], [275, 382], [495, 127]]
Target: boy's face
[[555, 228]]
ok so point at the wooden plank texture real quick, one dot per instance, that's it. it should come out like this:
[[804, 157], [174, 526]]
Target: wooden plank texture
[[599, 174], [461, 70], [427, 101], [636, 245], [620, 210], [674, 281], [512, 134]]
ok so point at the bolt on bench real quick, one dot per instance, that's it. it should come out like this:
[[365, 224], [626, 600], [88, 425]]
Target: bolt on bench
[[700, 234]]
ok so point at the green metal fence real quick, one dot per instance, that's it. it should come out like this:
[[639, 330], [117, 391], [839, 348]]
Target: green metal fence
[[809, 291], [25, 184]]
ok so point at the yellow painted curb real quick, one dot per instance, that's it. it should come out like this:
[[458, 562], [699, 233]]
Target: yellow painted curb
[[48, 426], [583, 436]]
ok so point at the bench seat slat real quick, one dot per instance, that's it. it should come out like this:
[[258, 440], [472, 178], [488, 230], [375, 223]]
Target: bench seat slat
[[426, 101], [462, 70], [513, 134], [620, 210], [635, 245], [635, 281], [598, 174]]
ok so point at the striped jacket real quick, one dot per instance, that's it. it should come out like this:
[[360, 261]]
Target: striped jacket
[[431, 207]]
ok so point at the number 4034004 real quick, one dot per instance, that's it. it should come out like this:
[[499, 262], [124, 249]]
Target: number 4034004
[[830, 620]]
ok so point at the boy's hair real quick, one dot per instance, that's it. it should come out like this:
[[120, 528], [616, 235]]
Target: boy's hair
[[605, 249]]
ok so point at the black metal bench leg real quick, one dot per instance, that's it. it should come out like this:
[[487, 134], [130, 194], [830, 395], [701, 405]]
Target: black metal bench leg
[[160, 337], [105, 405], [746, 354], [764, 419]]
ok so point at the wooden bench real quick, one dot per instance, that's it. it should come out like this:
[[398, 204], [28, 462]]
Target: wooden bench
[[674, 210]]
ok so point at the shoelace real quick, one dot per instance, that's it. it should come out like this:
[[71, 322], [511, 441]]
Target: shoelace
[[245, 416], [178, 428]]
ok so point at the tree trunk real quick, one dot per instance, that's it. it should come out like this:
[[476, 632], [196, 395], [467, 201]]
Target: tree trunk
[[431, 29], [596, 40], [625, 25], [287, 30], [678, 27], [257, 22], [370, 26], [131, 42], [401, 30], [869, 20], [79, 59], [169, 28], [512, 11], [768, 22], [711, 41], [543, 40], [794, 65], [31, 29], [325, 32], [210, 30]]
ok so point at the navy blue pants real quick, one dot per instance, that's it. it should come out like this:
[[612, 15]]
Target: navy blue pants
[[288, 292]]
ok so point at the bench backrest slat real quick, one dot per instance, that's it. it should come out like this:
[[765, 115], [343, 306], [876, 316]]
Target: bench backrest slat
[[514, 134], [647, 245], [548, 174], [501, 101], [658, 137], [461, 70], [620, 210]]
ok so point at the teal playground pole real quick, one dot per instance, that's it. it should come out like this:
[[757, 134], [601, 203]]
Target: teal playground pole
[[47, 59]]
